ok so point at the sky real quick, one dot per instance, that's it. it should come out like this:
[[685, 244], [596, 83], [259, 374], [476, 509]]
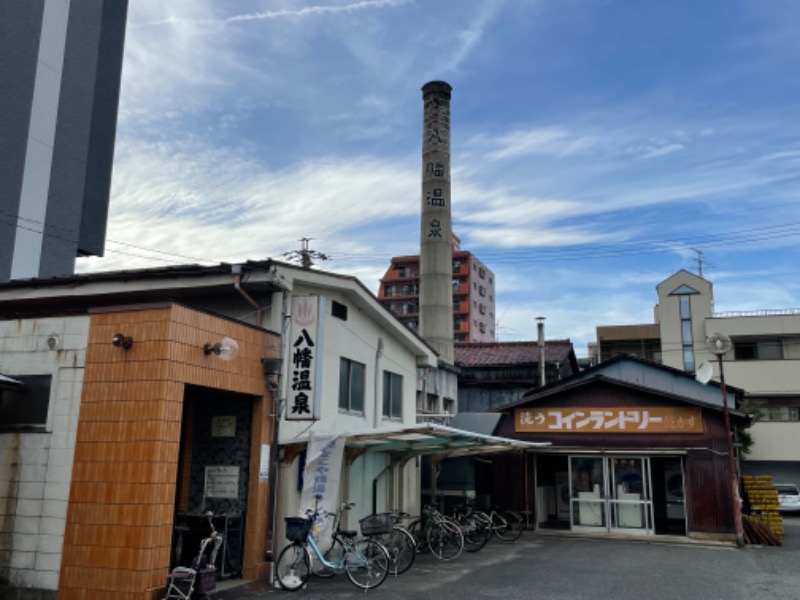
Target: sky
[[597, 146]]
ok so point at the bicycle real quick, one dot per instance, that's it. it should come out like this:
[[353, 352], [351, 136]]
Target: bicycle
[[382, 528], [365, 561], [437, 533], [475, 529], [505, 524], [398, 541]]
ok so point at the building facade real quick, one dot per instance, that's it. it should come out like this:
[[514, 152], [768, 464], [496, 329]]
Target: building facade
[[473, 288], [762, 361], [134, 402], [60, 71], [636, 448]]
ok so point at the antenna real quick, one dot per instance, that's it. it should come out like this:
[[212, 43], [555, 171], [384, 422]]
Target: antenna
[[700, 262], [704, 372]]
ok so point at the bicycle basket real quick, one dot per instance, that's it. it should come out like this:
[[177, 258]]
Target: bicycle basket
[[297, 528], [377, 524]]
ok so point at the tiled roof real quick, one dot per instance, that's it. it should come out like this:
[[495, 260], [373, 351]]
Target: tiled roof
[[498, 354]]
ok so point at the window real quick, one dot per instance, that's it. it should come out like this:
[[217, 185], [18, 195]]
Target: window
[[339, 310], [482, 327], [388, 290], [481, 272], [456, 266], [686, 332], [758, 350], [455, 285], [26, 407], [482, 291], [351, 386], [392, 395], [781, 413], [482, 309]]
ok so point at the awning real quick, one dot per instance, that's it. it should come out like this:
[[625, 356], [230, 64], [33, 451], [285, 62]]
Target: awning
[[425, 439], [7, 383]]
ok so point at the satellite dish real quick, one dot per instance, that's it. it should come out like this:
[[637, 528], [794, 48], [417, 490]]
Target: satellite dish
[[704, 372], [718, 343]]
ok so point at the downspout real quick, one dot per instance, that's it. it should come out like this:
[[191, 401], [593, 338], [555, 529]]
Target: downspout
[[237, 283], [378, 405], [279, 400]]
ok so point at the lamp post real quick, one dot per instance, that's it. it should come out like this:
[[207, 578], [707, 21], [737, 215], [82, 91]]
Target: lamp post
[[719, 345]]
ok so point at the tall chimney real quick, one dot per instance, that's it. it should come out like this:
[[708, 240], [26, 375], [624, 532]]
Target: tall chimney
[[542, 353], [436, 230]]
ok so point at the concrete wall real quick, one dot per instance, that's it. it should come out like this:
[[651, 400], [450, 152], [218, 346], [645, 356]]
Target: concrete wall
[[36, 468]]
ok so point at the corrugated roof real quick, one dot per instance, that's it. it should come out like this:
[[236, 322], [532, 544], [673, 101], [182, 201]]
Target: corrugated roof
[[496, 354]]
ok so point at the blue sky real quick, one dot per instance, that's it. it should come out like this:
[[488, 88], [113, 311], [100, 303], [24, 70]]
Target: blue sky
[[597, 145]]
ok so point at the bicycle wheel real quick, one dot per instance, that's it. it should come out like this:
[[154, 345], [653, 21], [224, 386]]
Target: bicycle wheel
[[445, 540], [417, 531], [402, 550], [476, 534], [293, 567], [507, 526], [366, 564], [334, 555]]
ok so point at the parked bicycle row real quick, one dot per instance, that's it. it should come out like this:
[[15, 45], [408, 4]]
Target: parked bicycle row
[[384, 546]]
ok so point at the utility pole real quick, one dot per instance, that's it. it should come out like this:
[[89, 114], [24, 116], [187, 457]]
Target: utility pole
[[305, 255], [699, 261]]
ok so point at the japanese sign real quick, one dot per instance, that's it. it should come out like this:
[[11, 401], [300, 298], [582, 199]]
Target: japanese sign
[[651, 419], [305, 352], [321, 477], [223, 426], [222, 482]]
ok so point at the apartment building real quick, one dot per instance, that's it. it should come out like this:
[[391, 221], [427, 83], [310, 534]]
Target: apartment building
[[763, 361], [473, 295]]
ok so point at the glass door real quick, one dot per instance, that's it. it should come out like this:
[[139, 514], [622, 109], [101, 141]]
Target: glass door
[[588, 510], [630, 497]]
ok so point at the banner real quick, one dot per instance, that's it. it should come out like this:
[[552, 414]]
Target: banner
[[651, 419], [321, 477]]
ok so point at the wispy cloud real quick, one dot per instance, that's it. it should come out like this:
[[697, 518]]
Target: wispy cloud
[[654, 151]]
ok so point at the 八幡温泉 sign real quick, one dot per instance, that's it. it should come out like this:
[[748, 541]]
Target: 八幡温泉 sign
[[305, 351], [651, 419]]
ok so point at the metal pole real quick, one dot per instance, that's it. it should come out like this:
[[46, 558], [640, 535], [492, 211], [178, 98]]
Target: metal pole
[[737, 504]]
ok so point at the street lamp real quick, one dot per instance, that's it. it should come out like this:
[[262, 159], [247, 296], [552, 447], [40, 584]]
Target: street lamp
[[719, 344]]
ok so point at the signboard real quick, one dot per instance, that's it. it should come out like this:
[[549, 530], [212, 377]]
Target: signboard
[[223, 426], [304, 397], [263, 469], [649, 419], [222, 482]]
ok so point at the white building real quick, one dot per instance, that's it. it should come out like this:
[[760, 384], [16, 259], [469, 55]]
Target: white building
[[762, 361]]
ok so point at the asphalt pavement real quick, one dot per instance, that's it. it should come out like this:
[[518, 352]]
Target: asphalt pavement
[[568, 567]]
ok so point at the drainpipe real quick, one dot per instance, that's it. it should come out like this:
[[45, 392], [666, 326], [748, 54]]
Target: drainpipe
[[542, 370], [237, 283], [376, 418]]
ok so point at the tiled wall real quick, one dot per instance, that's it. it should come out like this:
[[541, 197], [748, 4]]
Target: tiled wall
[[35, 468], [120, 518]]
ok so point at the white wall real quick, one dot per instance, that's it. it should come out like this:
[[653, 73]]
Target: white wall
[[36, 468], [775, 441]]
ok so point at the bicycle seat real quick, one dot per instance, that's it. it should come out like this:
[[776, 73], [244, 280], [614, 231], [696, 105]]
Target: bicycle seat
[[347, 534]]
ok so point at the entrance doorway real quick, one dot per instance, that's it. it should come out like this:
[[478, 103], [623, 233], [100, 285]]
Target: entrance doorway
[[213, 477], [638, 495]]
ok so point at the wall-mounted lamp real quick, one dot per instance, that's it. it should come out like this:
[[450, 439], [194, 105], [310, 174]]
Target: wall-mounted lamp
[[120, 340], [226, 349], [272, 368]]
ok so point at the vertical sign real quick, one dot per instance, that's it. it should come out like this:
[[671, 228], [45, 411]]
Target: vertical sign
[[321, 479], [305, 350]]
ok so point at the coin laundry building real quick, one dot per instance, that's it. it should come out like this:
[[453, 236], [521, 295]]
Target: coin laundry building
[[636, 448]]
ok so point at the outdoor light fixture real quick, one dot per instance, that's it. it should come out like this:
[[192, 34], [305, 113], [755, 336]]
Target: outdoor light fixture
[[120, 340], [719, 344], [226, 349], [272, 370]]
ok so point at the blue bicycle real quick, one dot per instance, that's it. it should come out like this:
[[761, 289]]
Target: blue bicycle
[[365, 561]]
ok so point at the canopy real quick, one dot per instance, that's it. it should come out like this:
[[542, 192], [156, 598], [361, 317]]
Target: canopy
[[7, 383], [426, 439]]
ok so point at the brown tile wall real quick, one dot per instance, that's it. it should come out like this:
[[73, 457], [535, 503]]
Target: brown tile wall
[[123, 493]]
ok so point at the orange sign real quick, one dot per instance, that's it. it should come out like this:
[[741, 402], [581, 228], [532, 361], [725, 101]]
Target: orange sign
[[651, 419]]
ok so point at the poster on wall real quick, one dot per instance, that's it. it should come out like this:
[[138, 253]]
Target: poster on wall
[[306, 351], [223, 426], [321, 477], [221, 482]]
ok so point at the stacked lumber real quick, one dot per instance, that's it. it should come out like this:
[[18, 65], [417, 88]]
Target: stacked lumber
[[763, 499]]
